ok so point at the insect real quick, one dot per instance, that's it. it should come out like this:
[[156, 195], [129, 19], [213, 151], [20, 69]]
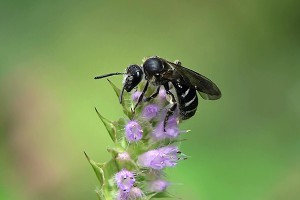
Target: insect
[[160, 72]]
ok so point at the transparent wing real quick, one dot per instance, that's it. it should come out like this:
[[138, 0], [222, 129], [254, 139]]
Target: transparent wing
[[206, 88]]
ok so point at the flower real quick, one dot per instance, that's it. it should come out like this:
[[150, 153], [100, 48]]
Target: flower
[[135, 96], [169, 155], [150, 111], [124, 180], [158, 185], [134, 193], [151, 159], [162, 94], [171, 129], [159, 158], [121, 195], [133, 131]]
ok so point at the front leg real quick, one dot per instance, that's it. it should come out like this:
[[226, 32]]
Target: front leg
[[141, 96], [154, 94], [172, 108]]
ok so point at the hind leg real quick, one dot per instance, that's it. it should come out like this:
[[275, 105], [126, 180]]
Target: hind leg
[[172, 108]]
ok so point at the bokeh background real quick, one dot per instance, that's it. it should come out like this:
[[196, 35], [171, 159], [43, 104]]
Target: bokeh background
[[243, 147]]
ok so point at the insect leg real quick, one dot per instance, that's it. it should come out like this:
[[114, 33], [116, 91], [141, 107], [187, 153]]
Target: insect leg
[[172, 108], [154, 94], [141, 96]]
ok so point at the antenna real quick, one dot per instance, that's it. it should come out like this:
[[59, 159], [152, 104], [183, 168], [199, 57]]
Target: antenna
[[107, 75]]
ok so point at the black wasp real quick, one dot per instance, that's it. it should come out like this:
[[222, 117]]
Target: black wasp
[[160, 72]]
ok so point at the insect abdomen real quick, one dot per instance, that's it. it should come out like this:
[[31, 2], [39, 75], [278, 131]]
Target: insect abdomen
[[187, 100]]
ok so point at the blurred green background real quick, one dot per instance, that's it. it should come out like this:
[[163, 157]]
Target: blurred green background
[[243, 147]]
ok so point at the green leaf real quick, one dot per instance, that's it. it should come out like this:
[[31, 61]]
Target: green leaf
[[99, 194], [126, 102], [115, 151], [150, 196], [116, 89], [110, 127], [120, 126], [98, 171], [162, 195], [104, 172], [110, 168], [109, 188]]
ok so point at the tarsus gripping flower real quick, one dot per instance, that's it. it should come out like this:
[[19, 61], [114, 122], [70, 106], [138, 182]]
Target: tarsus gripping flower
[[142, 149]]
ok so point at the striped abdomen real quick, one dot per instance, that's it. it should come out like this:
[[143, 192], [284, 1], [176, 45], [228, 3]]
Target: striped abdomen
[[187, 100]]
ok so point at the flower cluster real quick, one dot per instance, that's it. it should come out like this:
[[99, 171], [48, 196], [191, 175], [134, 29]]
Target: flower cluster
[[144, 147]]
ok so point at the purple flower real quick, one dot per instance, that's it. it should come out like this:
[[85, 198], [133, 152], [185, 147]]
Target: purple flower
[[158, 185], [125, 180], [134, 193], [133, 131], [121, 195], [169, 155], [171, 129], [162, 94], [151, 159], [150, 111], [135, 96], [159, 158]]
